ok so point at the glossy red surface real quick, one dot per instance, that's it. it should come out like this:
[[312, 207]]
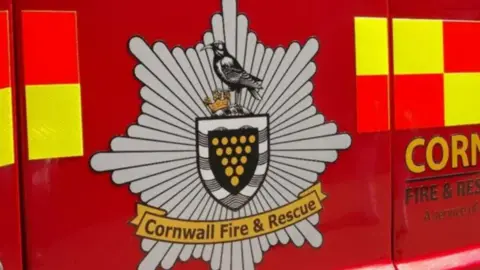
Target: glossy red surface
[[57, 64], [461, 51], [372, 98], [10, 233], [10, 245], [79, 220], [422, 97], [448, 242], [10, 229]]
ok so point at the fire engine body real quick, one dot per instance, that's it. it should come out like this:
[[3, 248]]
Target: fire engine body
[[239, 134]]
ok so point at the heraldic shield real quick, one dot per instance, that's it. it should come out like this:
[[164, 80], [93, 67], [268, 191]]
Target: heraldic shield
[[232, 157]]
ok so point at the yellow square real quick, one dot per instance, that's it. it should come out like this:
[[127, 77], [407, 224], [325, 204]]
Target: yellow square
[[461, 99], [54, 121], [371, 46], [418, 46], [7, 148]]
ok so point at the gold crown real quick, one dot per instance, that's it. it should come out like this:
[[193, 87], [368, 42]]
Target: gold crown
[[221, 100]]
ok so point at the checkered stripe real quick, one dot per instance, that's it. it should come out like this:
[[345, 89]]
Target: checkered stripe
[[436, 73]]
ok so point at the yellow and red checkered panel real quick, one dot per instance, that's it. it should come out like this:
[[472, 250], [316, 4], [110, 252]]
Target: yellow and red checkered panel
[[437, 73], [436, 65], [7, 149], [372, 68], [53, 93]]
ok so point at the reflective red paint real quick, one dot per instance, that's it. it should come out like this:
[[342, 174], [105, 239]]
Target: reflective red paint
[[373, 103], [49, 48], [418, 101], [462, 40]]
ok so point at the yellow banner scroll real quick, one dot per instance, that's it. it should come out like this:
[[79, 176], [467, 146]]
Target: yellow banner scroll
[[152, 223]]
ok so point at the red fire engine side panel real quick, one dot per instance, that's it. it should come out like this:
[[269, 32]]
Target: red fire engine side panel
[[80, 92], [435, 144], [10, 226]]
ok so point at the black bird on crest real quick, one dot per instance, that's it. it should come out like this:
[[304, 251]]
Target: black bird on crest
[[232, 73]]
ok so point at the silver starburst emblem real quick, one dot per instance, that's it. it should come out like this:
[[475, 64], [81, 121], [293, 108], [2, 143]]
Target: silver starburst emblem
[[224, 177]]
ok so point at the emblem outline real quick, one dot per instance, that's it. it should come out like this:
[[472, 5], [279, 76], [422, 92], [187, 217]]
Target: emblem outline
[[197, 120]]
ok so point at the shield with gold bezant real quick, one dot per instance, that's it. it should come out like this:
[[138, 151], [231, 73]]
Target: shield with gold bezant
[[232, 156]]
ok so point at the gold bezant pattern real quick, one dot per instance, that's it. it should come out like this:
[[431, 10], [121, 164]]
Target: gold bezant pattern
[[243, 159], [234, 165]]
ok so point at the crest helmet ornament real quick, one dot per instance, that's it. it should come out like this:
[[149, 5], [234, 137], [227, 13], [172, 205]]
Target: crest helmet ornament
[[199, 153]]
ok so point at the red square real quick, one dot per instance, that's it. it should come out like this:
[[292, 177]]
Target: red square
[[50, 47], [461, 46], [418, 101], [372, 104], [4, 50]]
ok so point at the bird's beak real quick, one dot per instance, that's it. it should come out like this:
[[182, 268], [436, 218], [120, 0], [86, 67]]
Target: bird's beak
[[207, 47]]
